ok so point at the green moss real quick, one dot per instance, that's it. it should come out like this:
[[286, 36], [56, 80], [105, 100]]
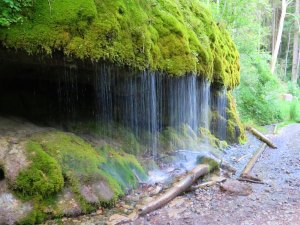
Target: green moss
[[35, 217], [60, 160], [78, 159], [172, 139], [215, 142], [42, 178], [176, 37], [212, 164], [123, 167], [121, 136], [235, 129]]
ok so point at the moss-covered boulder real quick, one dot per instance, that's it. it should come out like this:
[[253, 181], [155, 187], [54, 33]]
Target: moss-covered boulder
[[208, 160], [63, 174], [176, 37]]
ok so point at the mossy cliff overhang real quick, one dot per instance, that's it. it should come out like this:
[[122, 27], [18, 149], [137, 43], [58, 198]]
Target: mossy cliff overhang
[[176, 37]]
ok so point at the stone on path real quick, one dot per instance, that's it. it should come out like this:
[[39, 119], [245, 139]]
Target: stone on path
[[118, 219], [236, 187]]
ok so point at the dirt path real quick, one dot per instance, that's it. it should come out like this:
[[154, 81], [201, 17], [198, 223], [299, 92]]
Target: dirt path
[[276, 202]]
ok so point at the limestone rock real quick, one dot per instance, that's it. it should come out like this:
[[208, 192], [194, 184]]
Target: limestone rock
[[118, 219], [12, 209], [236, 187], [96, 192], [67, 203]]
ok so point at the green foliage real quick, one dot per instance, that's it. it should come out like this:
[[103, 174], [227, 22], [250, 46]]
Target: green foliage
[[259, 92], [291, 111], [295, 111], [42, 178], [258, 96], [176, 37], [13, 11]]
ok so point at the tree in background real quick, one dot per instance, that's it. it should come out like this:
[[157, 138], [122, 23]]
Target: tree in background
[[284, 5], [296, 51], [255, 28]]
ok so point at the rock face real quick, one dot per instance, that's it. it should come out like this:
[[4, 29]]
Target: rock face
[[97, 192], [42, 164], [12, 209], [81, 54], [67, 203]]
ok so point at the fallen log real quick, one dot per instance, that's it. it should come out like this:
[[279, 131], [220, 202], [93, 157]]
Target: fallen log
[[178, 188], [261, 137], [253, 160]]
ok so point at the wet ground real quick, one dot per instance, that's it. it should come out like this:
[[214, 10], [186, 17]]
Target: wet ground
[[277, 201]]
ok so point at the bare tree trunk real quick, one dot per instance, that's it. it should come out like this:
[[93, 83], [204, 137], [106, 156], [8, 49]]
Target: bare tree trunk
[[274, 26], [287, 55], [279, 35], [296, 43]]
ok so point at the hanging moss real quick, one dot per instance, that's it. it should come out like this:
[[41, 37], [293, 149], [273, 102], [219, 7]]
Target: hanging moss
[[235, 129], [176, 37], [215, 142]]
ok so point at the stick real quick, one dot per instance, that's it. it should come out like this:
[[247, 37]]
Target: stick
[[242, 157], [203, 185], [178, 188], [245, 173], [207, 184], [261, 137], [253, 160], [251, 181]]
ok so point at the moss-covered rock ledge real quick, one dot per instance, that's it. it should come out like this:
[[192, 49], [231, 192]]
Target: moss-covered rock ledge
[[176, 37], [48, 173]]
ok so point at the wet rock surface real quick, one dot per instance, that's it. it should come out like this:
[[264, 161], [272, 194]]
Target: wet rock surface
[[11, 209], [277, 201]]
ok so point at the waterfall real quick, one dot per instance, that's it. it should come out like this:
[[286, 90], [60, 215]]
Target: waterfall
[[205, 104], [68, 93], [148, 102], [221, 109]]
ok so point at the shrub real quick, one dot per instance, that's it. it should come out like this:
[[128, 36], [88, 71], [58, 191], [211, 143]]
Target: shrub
[[13, 11]]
